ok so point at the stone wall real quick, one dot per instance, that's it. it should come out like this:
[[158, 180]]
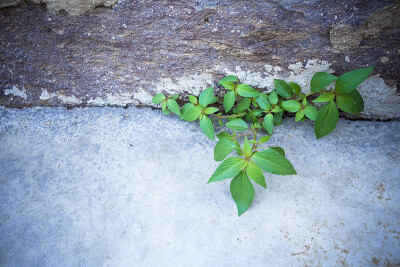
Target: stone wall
[[121, 53]]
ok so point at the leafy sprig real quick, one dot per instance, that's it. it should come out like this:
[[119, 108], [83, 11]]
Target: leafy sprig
[[245, 105]]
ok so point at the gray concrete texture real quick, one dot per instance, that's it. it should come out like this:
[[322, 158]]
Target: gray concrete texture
[[127, 187]]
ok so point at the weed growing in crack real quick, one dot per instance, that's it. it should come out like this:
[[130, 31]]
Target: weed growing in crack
[[244, 106]]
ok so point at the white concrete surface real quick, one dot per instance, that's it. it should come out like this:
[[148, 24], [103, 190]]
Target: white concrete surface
[[127, 187]]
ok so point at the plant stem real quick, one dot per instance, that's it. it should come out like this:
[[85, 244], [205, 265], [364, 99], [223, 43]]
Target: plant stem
[[223, 117]]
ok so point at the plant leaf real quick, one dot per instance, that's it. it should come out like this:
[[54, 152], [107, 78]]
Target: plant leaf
[[229, 100], [246, 148], [346, 103], [206, 126], [263, 103], [193, 99], [273, 98], [295, 88], [282, 88], [278, 149], [225, 135], [223, 148], [185, 108], [326, 120], [158, 98], [264, 139], [291, 105], [269, 123], [237, 125], [299, 115], [278, 118], [174, 97], [210, 110], [350, 80], [320, 80], [164, 108], [255, 173], [192, 113], [173, 106], [325, 97], [273, 162], [207, 97], [242, 192], [229, 78], [358, 100], [311, 112], [228, 85], [244, 104], [247, 91], [227, 169]]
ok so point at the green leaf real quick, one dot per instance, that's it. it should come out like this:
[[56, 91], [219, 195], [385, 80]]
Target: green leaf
[[264, 139], [291, 105], [278, 118], [346, 103], [326, 120], [269, 123], [229, 100], [282, 88], [276, 109], [358, 100], [237, 148], [242, 192], [227, 169], [164, 108], [325, 97], [229, 78], [225, 135], [210, 110], [350, 80], [237, 125], [273, 162], [223, 148], [295, 88], [206, 126], [351, 103], [262, 101], [192, 113], [320, 80], [174, 97], [278, 149], [246, 148], [304, 102], [311, 112], [193, 99], [207, 97], [273, 98], [255, 173], [185, 108], [299, 115], [158, 98], [247, 91], [228, 85], [173, 106], [244, 104]]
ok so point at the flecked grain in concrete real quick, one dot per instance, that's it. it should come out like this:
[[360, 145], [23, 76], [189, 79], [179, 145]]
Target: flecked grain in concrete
[[118, 187]]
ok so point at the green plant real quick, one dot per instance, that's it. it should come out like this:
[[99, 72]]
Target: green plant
[[264, 111]]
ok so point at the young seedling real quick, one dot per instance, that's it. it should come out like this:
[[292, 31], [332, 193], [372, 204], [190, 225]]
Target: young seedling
[[249, 111]]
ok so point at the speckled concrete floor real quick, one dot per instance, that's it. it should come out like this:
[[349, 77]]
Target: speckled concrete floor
[[119, 187]]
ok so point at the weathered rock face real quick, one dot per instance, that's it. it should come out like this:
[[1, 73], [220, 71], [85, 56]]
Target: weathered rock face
[[73, 7], [126, 54]]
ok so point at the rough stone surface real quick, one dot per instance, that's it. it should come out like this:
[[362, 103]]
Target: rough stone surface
[[123, 55], [73, 7], [123, 187]]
